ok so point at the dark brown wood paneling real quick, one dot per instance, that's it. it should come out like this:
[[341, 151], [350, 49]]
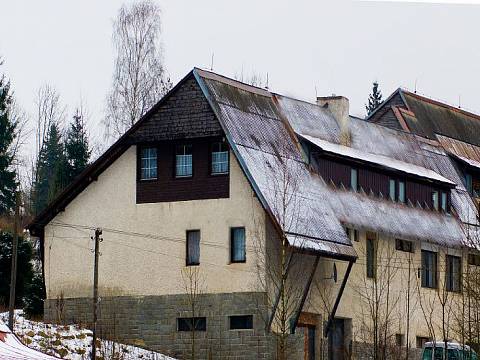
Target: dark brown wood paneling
[[334, 171], [167, 188], [373, 181]]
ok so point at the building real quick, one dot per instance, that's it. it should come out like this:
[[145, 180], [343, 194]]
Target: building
[[245, 215]]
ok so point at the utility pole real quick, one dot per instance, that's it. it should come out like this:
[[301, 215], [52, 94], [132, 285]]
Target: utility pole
[[13, 272], [98, 232]]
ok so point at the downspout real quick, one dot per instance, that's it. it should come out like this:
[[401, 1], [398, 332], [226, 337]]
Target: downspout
[[339, 296]]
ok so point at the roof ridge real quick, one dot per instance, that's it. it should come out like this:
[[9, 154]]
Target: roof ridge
[[441, 103]]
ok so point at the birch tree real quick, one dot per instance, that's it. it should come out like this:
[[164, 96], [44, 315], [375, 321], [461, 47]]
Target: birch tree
[[139, 78]]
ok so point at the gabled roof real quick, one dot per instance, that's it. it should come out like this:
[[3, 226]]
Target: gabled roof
[[263, 130], [428, 117]]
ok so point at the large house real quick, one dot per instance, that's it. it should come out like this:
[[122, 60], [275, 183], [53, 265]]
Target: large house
[[237, 222]]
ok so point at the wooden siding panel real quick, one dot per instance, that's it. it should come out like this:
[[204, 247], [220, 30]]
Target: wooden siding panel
[[167, 188]]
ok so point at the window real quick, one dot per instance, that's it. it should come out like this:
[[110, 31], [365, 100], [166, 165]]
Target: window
[[404, 245], [421, 341], [241, 322], [354, 179], [237, 245], [429, 269], [435, 200], [148, 163], [183, 161], [391, 189], [352, 234], [469, 183], [444, 202], [193, 247], [219, 158], [190, 324], [399, 339], [453, 274], [474, 259], [371, 256], [401, 192]]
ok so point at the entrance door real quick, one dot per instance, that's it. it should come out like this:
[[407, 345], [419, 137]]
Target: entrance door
[[308, 342], [336, 340]]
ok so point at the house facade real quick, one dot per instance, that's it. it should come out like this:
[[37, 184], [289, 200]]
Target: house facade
[[236, 221]]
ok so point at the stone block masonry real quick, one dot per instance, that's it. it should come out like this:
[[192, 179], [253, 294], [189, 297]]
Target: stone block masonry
[[151, 322]]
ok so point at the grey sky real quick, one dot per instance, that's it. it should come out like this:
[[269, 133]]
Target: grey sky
[[336, 46]]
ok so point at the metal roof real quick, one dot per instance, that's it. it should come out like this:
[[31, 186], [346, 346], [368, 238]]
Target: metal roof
[[264, 128]]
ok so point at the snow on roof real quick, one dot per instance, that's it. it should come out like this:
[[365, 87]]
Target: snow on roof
[[263, 129], [380, 160], [12, 349]]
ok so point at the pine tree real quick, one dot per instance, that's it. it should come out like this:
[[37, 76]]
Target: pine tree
[[77, 150], [8, 183], [51, 172], [374, 99]]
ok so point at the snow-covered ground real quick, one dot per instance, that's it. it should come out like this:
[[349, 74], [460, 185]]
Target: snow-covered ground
[[72, 342]]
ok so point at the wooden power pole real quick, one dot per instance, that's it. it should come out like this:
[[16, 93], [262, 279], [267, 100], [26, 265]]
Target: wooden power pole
[[98, 232], [13, 273]]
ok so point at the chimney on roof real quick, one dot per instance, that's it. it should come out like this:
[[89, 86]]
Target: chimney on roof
[[339, 106]]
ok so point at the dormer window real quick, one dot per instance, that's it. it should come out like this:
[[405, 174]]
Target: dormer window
[[401, 192], [219, 158], [148, 161], [392, 189], [354, 179], [435, 200], [183, 161], [444, 202]]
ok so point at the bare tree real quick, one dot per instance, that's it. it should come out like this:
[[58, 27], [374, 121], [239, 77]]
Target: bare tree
[[194, 287], [139, 77], [280, 267], [376, 293]]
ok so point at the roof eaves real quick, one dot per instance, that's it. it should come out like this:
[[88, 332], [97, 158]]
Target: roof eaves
[[92, 172]]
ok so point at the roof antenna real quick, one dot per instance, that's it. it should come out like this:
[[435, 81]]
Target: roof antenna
[[415, 91], [211, 64], [459, 101], [266, 85], [316, 95]]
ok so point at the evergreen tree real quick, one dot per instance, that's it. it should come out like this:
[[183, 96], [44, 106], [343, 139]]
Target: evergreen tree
[[77, 150], [8, 183], [51, 172], [24, 268], [374, 99]]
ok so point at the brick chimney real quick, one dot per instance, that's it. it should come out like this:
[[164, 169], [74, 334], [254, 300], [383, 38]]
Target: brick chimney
[[339, 107]]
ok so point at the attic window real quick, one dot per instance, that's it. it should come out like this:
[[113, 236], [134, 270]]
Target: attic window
[[401, 192], [148, 163], [219, 158], [435, 200]]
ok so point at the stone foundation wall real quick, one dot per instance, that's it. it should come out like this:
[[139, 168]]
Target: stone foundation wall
[[151, 322]]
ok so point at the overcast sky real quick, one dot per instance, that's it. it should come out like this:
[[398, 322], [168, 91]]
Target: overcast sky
[[331, 47]]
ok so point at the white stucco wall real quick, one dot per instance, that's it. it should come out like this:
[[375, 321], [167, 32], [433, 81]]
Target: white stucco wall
[[138, 265]]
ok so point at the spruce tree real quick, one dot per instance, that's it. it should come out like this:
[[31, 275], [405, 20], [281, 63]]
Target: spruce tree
[[77, 152], [51, 172], [374, 99], [8, 183]]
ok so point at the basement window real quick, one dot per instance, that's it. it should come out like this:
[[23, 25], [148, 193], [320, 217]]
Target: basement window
[[399, 339], [192, 324], [242, 322], [421, 341], [404, 245]]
